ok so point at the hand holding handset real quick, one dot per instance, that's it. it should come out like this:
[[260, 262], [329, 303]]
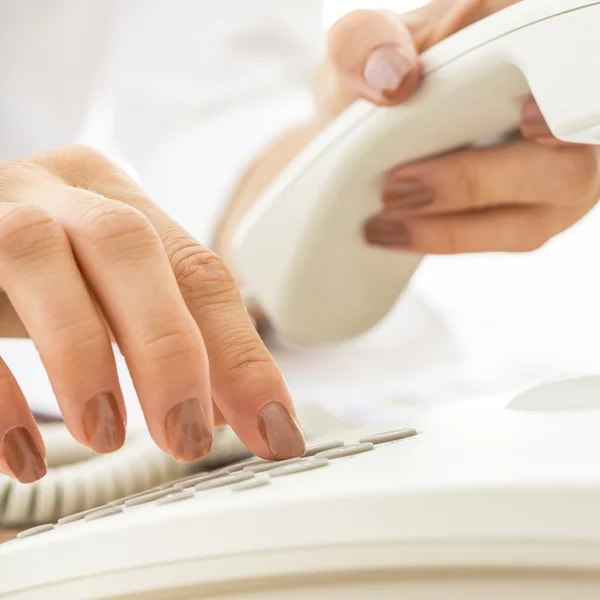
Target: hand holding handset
[[301, 249]]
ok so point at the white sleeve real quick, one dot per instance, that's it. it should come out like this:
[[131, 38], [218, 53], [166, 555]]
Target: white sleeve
[[198, 88]]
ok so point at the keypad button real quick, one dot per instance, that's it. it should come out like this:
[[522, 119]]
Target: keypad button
[[301, 467], [78, 516], [177, 497], [193, 481], [346, 451], [251, 484], [147, 498], [240, 466], [389, 436], [223, 481], [35, 530], [103, 513], [270, 465], [313, 450]]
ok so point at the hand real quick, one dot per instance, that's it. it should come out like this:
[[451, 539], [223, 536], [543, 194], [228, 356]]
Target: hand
[[85, 255], [508, 198]]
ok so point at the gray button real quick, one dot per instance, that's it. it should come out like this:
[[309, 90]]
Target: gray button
[[177, 497], [305, 465], [251, 484], [270, 465], [150, 497], [240, 466], [104, 512], [345, 451], [78, 516], [223, 481], [35, 530], [124, 500], [323, 447], [389, 436], [190, 482]]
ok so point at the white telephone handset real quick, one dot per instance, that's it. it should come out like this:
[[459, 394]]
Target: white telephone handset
[[301, 248]]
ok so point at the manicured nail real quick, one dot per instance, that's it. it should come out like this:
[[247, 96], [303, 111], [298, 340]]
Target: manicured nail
[[406, 193], [387, 231], [189, 433], [103, 424], [533, 123], [22, 455], [386, 68], [281, 432]]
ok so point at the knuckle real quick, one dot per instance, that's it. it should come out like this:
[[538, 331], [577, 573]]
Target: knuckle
[[103, 221], [27, 231], [77, 339], [242, 352], [202, 276], [170, 340]]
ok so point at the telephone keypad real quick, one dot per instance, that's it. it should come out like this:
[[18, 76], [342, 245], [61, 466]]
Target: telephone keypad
[[245, 475]]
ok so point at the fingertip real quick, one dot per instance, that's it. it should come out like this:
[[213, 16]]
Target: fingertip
[[391, 73], [375, 53]]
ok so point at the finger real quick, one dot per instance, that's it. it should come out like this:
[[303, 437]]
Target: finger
[[534, 126], [505, 229], [22, 450], [374, 54], [248, 387], [521, 173], [125, 264], [40, 276]]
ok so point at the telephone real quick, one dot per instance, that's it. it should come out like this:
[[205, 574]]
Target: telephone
[[494, 498], [487, 498]]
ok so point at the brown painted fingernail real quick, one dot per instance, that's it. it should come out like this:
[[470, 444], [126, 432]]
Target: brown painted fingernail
[[404, 194], [387, 67], [103, 424], [281, 432], [533, 124], [189, 433], [22, 455], [387, 231]]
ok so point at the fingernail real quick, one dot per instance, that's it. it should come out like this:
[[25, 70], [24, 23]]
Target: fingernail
[[387, 231], [407, 193], [22, 455], [386, 68], [189, 433], [281, 432], [533, 123], [103, 424]]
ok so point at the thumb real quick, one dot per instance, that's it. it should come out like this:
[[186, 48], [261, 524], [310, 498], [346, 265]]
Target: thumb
[[374, 55]]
